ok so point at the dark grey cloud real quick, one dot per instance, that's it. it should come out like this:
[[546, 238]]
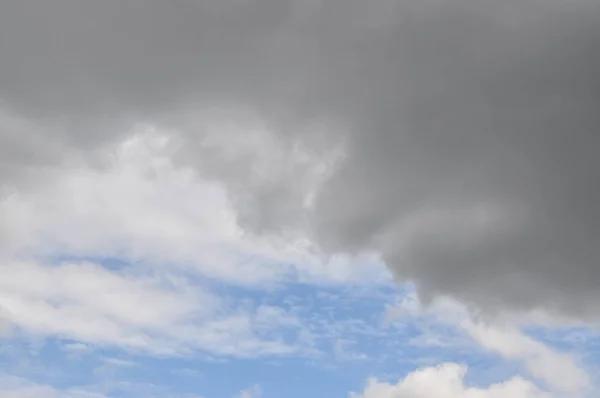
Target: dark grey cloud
[[471, 127]]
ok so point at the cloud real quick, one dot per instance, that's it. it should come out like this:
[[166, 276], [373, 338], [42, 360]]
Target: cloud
[[87, 302], [563, 373], [16, 387], [253, 392], [91, 304], [558, 370], [468, 128], [141, 207], [127, 254], [447, 381]]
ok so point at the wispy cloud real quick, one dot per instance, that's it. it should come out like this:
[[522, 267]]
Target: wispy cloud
[[253, 392]]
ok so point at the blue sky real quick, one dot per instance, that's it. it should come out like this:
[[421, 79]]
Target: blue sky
[[351, 342]]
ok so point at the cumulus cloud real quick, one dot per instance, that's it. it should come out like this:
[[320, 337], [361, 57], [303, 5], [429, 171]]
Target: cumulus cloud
[[141, 207], [447, 381], [124, 255], [468, 127], [564, 374]]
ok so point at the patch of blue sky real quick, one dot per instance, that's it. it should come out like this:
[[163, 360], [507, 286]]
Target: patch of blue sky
[[332, 314], [345, 326]]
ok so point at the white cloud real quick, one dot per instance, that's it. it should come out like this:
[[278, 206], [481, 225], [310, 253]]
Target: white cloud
[[253, 392], [91, 304], [561, 372], [16, 387], [137, 205], [88, 303], [142, 206], [558, 370], [447, 381]]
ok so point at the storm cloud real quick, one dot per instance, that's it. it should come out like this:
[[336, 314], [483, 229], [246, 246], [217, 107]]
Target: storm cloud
[[469, 129]]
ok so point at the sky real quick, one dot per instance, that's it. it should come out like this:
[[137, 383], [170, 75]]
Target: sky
[[292, 198]]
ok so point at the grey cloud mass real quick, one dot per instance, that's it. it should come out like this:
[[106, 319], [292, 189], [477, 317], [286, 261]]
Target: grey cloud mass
[[471, 128]]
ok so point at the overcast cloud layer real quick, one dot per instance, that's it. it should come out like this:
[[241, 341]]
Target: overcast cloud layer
[[469, 129]]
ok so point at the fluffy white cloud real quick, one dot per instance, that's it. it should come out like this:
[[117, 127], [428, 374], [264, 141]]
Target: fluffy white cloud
[[162, 220], [561, 372], [141, 206], [171, 229], [447, 381]]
